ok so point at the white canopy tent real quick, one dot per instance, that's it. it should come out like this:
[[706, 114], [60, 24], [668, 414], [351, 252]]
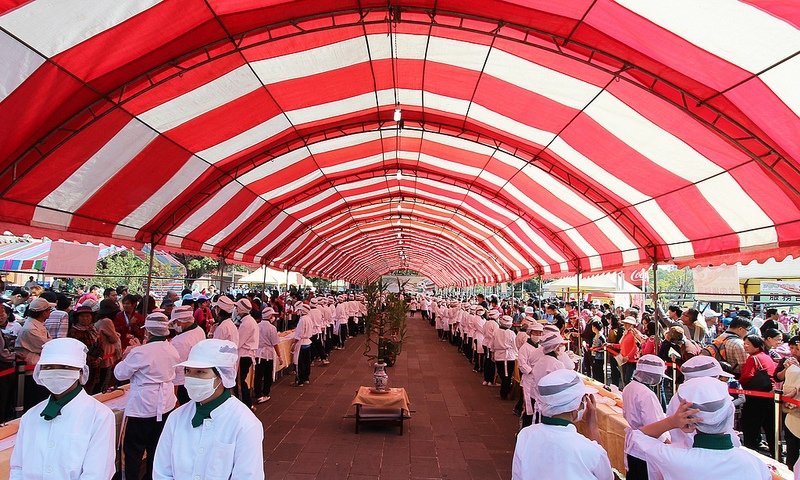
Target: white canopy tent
[[275, 277], [788, 268], [607, 282]]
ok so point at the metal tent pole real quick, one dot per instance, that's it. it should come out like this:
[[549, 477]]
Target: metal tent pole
[[287, 280], [221, 275], [264, 282], [149, 280]]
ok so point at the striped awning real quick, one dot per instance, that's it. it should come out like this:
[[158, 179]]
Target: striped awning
[[22, 256], [472, 141]]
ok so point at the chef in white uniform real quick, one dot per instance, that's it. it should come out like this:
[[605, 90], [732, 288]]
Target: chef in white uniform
[[505, 354], [151, 369], [301, 344], [225, 329], [529, 353], [215, 436], [490, 328], [267, 355], [69, 435], [553, 449], [698, 367], [641, 407], [188, 335], [248, 346], [707, 409]]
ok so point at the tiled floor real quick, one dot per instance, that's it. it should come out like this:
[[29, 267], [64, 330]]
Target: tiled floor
[[459, 429]]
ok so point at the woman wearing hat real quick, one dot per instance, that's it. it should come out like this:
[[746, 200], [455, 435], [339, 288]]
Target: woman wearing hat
[[642, 407], [549, 362], [70, 434], [629, 348], [215, 436], [150, 369], [83, 330]]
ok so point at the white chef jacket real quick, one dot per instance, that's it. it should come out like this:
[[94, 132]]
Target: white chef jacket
[[226, 330], [315, 314], [340, 315], [79, 443], [681, 439], [151, 369], [556, 452], [183, 343], [674, 463], [226, 446], [267, 340], [640, 407], [303, 333], [527, 356], [248, 337], [441, 318], [504, 345]]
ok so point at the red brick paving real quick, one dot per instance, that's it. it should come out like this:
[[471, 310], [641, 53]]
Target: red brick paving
[[458, 429]]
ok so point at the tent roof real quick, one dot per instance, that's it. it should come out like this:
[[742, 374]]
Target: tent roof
[[607, 282], [32, 255], [533, 137], [788, 268]]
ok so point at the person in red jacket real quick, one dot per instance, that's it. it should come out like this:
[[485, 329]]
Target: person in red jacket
[[128, 323], [629, 348], [757, 412]]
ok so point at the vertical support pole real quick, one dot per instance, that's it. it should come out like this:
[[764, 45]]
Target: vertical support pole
[[264, 283], [539, 288], [578, 287], [287, 279], [655, 303], [778, 426], [221, 275], [149, 280], [605, 366]]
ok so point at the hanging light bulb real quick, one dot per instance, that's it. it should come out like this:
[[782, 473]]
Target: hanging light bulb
[[399, 242], [398, 115], [399, 175], [399, 234], [399, 207]]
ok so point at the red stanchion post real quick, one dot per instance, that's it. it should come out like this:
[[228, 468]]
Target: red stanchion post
[[778, 398], [19, 408]]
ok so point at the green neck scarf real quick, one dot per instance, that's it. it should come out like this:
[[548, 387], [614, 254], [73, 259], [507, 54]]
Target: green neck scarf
[[156, 338], [560, 422], [53, 407], [190, 327], [204, 411], [713, 442]]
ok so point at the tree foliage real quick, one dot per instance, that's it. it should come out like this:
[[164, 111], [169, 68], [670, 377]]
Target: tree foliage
[[197, 266], [385, 322]]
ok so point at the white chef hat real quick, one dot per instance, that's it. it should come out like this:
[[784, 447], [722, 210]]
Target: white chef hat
[[529, 311], [215, 353], [703, 366], [551, 341], [225, 304], [494, 314], [711, 397], [243, 306], [267, 313], [63, 351], [535, 327], [650, 370], [506, 321], [183, 313], [314, 301], [560, 392], [301, 308], [157, 324]]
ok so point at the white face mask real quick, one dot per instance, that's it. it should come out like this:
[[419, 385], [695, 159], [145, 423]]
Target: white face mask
[[199, 389], [59, 380]]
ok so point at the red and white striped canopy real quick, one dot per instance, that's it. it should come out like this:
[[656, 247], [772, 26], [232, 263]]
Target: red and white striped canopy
[[473, 141]]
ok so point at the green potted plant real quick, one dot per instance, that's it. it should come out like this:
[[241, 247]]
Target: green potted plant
[[385, 322]]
